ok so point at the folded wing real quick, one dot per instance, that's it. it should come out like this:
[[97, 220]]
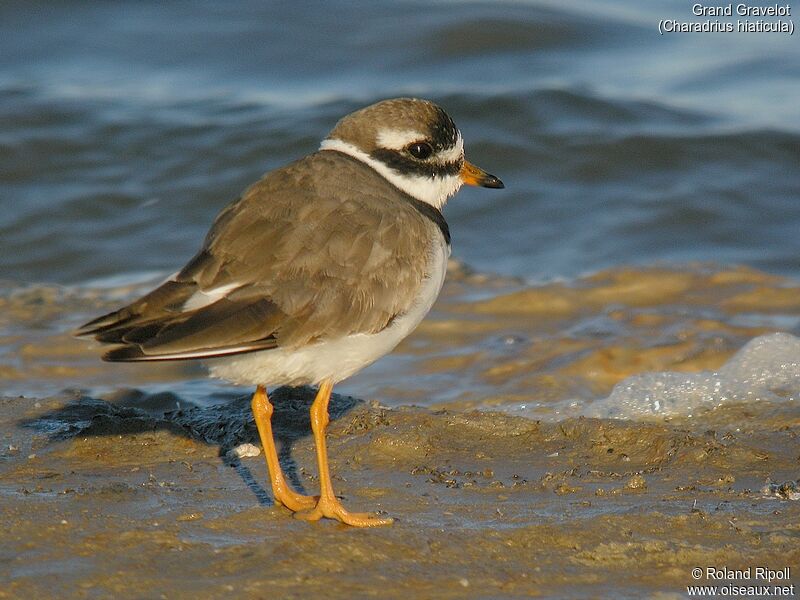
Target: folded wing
[[304, 255]]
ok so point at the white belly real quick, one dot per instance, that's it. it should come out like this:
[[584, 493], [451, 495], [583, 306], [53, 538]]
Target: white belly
[[333, 359]]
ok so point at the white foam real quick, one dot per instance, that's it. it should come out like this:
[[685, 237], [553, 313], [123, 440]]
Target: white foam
[[766, 368]]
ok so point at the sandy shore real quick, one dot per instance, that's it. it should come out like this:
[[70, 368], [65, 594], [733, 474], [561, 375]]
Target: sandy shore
[[117, 501], [133, 494]]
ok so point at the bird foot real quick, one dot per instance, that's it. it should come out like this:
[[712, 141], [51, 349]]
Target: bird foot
[[332, 509], [287, 497]]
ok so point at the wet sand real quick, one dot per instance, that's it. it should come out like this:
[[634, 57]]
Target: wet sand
[[132, 493]]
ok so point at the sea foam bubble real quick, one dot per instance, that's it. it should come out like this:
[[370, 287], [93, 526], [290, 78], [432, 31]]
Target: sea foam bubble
[[766, 368]]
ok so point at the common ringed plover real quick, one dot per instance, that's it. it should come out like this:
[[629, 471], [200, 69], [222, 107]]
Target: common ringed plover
[[317, 270]]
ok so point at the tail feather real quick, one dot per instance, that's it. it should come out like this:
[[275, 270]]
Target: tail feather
[[167, 299], [163, 326], [104, 323]]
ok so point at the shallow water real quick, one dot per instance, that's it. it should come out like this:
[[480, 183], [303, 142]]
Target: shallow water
[[122, 133], [625, 343]]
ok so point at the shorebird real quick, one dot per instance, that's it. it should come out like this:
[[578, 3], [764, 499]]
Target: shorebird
[[319, 268]]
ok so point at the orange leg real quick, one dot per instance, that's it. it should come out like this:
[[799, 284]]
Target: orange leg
[[328, 505], [283, 494]]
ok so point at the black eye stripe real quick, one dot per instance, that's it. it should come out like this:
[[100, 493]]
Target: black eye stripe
[[402, 163]]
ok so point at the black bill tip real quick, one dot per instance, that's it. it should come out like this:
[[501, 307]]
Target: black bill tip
[[490, 181]]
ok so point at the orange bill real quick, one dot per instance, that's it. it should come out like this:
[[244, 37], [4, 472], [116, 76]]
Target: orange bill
[[472, 175]]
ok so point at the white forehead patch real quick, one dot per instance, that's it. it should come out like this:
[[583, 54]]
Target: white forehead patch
[[396, 139]]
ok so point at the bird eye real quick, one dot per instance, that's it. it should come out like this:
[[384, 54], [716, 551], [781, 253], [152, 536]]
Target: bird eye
[[420, 150]]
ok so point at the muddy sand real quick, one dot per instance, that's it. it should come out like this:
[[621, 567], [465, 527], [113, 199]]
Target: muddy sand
[[133, 493]]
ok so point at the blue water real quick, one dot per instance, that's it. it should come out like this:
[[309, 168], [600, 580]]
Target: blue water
[[125, 127]]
